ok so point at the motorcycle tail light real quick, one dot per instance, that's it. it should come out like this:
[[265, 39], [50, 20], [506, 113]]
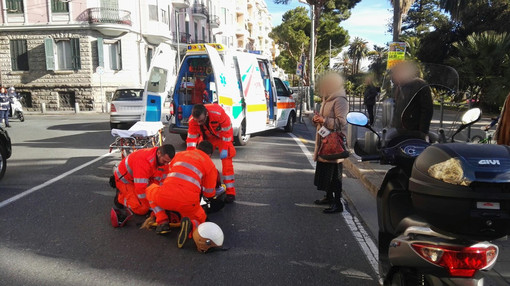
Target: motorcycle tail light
[[179, 113], [112, 108], [459, 261]]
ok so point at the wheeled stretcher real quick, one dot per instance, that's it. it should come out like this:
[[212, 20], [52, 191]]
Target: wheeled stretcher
[[141, 135]]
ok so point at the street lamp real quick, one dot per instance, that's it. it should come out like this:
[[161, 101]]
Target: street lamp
[[312, 51], [178, 33]]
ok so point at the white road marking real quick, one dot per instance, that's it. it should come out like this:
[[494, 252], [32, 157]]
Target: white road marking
[[49, 182], [105, 193], [309, 206], [360, 234], [251, 204]]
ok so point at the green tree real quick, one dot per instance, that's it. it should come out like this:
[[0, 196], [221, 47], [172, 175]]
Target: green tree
[[293, 35], [483, 62], [400, 8], [339, 10], [422, 18], [357, 51]]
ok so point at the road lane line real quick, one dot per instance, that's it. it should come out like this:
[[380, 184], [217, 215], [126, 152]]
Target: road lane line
[[360, 234], [49, 182], [252, 204]]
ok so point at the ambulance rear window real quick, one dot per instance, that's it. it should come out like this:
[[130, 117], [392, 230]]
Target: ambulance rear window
[[157, 80]]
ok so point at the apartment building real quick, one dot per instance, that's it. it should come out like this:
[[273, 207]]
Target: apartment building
[[63, 53]]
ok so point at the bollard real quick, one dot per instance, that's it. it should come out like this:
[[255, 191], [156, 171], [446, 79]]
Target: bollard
[[43, 107], [76, 108]]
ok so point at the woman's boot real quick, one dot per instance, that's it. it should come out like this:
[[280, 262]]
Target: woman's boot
[[327, 200], [336, 207]]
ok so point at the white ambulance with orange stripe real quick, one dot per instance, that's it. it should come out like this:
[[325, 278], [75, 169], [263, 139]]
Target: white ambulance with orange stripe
[[242, 83]]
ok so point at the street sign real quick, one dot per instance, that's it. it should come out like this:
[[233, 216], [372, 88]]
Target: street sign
[[396, 53], [299, 69], [100, 70]]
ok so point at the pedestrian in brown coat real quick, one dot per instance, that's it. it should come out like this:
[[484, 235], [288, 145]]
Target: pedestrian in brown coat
[[503, 131], [332, 115]]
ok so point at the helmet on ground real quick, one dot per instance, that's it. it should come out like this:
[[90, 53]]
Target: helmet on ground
[[208, 235]]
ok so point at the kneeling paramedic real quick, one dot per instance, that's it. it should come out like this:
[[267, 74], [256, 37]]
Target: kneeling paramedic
[[210, 122], [134, 173], [192, 174]]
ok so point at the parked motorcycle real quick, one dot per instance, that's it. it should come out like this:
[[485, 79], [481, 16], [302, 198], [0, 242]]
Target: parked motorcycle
[[439, 206], [16, 109]]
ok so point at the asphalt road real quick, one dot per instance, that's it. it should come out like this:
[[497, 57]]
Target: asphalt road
[[60, 234]]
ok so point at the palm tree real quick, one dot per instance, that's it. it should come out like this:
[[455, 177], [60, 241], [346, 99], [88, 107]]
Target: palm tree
[[400, 8], [378, 60], [454, 7], [357, 51]]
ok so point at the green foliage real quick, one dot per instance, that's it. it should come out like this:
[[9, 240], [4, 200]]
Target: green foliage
[[422, 18], [483, 62], [357, 51], [378, 61], [293, 36]]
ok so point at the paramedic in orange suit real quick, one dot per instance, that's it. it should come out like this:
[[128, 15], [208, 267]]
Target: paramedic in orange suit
[[192, 174], [134, 173], [210, 122]]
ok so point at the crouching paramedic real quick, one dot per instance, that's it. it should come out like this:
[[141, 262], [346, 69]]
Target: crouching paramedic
[[134, 173], [192, 174], [210, 122]]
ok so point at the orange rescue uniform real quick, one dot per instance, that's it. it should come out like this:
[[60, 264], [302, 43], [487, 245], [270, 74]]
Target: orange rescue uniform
[[218, 131], [134, 173], [192, 173]]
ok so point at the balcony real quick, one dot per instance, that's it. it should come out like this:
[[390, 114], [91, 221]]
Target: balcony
[[199, 11], [180, 4], [183, 38], [214, 21], [108, 21], [240, 10]]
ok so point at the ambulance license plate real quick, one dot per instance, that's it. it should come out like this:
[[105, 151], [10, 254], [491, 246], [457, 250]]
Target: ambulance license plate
[[488, 205]]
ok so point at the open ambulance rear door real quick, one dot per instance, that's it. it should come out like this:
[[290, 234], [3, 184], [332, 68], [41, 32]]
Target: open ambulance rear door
[[159, 82], [253, 93]]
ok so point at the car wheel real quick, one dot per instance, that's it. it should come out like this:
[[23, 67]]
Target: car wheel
[[3, 161], [21, 117], [114, 125], [290, 123], [242, 138]]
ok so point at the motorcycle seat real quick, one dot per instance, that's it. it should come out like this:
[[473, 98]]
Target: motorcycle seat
[[409, 221]]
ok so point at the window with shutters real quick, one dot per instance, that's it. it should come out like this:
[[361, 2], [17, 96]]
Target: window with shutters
[[62, 54], [164, 16], [59, 6], [109, 54], [19, 55], [14, 6], [153, 12]]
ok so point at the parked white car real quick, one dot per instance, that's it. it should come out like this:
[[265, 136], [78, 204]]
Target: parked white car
[[126, 106]]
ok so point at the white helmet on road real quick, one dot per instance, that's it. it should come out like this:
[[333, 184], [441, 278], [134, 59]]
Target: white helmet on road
[[208, 235]]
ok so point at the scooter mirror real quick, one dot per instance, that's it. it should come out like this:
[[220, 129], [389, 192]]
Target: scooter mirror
[[357, 118], [471, 116]]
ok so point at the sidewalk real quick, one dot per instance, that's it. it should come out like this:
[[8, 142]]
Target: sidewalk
[[361, 191]]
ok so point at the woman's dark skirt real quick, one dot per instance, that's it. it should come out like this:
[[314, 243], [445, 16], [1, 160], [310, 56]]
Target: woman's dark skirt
[[328, 177]]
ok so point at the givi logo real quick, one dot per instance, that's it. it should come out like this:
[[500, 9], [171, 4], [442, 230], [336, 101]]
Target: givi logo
[[489, 162]]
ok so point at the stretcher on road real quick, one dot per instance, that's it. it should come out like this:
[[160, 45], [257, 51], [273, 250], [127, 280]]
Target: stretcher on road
[[141, 135]]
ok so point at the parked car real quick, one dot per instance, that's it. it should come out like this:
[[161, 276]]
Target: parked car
[[126, 106], [5, 151]]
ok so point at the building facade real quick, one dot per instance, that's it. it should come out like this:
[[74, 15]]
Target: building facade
[[76, 53]]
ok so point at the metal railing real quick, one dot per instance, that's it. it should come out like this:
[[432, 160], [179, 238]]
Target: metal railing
[[108, 15], [184, 38], [214, 20], [200, 9]]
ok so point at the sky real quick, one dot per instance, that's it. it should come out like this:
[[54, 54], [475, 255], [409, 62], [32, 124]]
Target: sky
[[369, 19]]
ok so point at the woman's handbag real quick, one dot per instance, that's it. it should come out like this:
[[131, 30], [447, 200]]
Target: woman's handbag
[[333, 146]]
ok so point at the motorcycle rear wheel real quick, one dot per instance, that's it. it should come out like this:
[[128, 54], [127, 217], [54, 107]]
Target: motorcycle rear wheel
[[20, 115]]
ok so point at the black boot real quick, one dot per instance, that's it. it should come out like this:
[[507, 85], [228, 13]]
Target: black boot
[[336, 207], [327, 200]]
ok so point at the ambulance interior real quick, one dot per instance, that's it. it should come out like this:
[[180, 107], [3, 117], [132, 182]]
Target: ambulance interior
[[270, 100], [195, 83]]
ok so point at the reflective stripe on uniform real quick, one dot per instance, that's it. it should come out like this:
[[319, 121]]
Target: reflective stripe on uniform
[[193, 136], [226, 178], [141, 181], [191, 144], [156, 179], [141, 196], [227, 139], [157, 210], [186, 178], [152, 159], [229, 185], [227, 128], [209, 191], [215, 112], [126, 163], [191, 167], [121, 178]]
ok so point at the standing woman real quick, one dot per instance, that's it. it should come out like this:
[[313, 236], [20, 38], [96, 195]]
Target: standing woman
[[332, 115]]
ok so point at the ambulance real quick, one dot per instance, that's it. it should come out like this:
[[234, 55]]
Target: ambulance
[[242, 83]]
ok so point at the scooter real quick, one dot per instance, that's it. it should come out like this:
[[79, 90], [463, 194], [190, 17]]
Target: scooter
[[438, 207], [16, 109]]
